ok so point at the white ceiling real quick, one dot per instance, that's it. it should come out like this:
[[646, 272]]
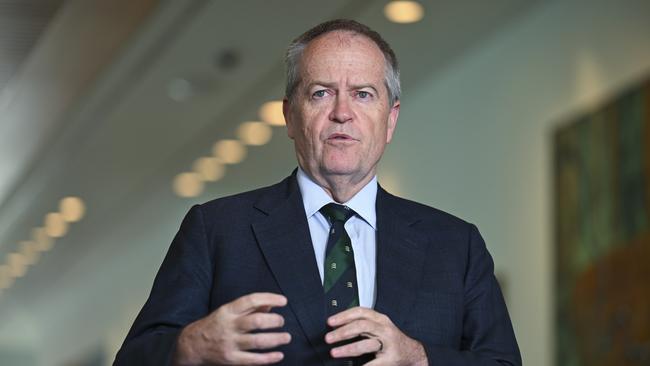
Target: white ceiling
[[119, 145], [21, 25]]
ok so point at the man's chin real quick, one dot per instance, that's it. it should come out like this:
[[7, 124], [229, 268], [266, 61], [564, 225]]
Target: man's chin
[[341, 171]]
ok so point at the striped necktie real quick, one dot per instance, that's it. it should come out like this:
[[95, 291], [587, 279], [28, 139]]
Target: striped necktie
[[340, 277]]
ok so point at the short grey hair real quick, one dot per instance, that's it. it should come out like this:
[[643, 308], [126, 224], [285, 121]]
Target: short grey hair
[[298, 45]]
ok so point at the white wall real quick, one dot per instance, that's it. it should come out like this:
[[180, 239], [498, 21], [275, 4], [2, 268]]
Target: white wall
[[475, 140]]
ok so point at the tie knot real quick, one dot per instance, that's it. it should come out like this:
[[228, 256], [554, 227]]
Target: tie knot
[[336, 212]]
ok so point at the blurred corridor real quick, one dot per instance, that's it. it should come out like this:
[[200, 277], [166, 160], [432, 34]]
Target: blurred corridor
[[116, 116]]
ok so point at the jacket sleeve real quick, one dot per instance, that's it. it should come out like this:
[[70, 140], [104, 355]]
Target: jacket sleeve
[[180, 295], [487, 334]]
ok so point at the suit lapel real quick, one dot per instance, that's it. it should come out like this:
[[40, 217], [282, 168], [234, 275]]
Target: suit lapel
[[400, 259], [284, 239]]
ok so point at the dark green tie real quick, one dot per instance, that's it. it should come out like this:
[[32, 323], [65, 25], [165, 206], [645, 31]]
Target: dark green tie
[[340, 277]]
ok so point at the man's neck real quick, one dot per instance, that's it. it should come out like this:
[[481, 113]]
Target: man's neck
[[341, 187]]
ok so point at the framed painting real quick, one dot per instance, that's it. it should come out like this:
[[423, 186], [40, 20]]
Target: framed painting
[[602, 234]]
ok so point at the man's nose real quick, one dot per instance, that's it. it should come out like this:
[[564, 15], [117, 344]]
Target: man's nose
[[341, 112]]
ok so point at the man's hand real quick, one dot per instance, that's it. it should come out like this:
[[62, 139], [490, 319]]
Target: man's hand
[[224, 336], [381, 337]]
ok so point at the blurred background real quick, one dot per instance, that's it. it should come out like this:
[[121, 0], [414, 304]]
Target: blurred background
[[117, 115]]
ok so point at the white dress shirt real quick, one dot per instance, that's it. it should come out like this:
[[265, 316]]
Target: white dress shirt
[[361, 228]]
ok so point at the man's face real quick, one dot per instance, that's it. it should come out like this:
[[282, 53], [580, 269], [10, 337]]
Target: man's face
[[339, 117]]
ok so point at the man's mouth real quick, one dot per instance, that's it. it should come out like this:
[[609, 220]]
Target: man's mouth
[[340, 137]]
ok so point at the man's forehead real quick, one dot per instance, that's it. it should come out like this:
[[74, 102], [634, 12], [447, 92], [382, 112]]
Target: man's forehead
[[342, 49], [344, 39], [342, 59]]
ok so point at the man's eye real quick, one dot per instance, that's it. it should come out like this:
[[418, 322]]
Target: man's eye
[[363, 94], [319, 94]]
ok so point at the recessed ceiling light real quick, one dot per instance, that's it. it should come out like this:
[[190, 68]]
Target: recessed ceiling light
[[29, 252], [180, 90], [404, 11], [42, 240], [72, 209], [17, 265], [55, 225], [209, 168], [271, 113], [188, 185], [227, 60], [6, 280], [254, 133], [229, 151]]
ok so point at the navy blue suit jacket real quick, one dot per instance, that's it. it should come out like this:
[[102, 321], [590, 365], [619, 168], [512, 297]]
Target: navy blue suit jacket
[[434, 279]]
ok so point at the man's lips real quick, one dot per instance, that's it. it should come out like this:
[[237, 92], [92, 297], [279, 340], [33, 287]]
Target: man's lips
[[340, 137]]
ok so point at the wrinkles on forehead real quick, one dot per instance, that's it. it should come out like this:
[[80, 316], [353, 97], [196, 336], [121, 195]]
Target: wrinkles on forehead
[[344, 37], [342, 53]]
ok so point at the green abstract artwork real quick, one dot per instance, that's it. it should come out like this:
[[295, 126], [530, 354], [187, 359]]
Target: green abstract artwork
[[602, 234]]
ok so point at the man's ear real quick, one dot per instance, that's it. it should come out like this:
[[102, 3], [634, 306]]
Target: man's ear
[[286, 111], [392, 121]]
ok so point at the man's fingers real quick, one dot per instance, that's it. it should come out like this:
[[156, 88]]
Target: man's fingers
[[256, 321], [257, 301], [253, 358], [351, 330], [264, 309], [367, 345], [353, 314], [262, 340]]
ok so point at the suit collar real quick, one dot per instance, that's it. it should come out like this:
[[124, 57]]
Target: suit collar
[[315, 197]]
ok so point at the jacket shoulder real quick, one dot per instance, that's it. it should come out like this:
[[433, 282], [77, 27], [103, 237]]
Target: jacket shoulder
[[417, 211], [246, 201]]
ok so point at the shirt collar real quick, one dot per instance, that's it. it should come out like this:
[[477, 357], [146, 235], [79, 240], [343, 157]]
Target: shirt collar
[[314, 197]]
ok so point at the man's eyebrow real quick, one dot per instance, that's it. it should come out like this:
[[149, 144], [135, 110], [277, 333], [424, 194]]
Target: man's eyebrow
[[333, 85], [321, 83], [363, 86]]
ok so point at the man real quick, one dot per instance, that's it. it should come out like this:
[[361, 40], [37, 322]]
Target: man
[[326, 268]]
